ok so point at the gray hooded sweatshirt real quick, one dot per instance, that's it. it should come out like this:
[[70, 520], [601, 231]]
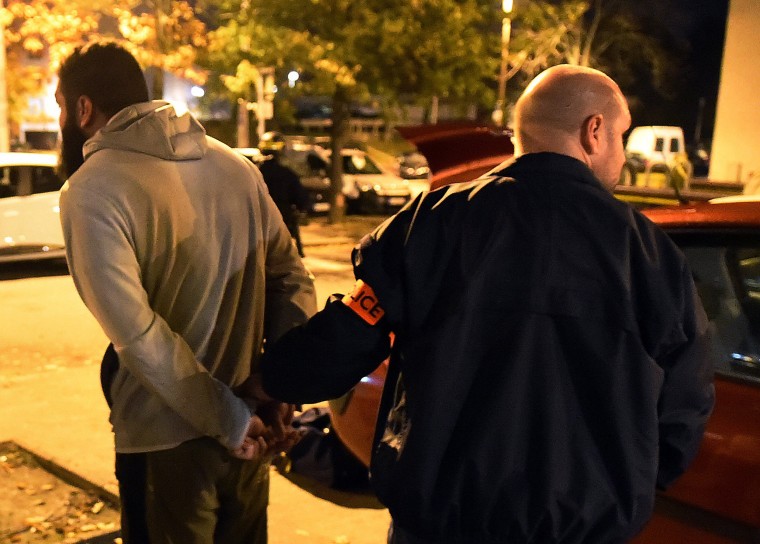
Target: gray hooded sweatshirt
[[177, 250]]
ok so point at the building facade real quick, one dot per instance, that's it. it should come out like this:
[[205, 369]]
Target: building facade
[[735, 153]]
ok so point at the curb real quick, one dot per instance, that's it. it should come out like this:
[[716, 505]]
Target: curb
[[68, 476]]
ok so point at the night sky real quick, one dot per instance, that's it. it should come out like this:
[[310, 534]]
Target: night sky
[[694, 30]]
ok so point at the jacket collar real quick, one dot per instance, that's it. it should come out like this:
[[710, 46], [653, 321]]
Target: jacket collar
[[549, 164]]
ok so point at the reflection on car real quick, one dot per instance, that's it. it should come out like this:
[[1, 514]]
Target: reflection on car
[[718, 499], [30, 226], [253, 154]]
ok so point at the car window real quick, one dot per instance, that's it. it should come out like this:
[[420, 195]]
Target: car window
[[7, 186], [28, 180], [16, 181], [45, 179], [727, 277], [674, 147], [659, 144]]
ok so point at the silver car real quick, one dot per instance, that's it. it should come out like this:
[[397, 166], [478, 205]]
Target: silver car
[[30, 227]]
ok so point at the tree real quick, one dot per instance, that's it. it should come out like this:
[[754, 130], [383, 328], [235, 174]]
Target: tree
[[240, 46], [164, 35], [39, 34], [352, 49], [599, 33]]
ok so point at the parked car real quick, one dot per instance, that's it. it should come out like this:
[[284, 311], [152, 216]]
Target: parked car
[[30, 226], [718, 499], [366, 187], [413, 165], [293, 156]]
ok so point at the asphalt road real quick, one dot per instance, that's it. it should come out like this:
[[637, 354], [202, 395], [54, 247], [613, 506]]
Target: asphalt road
[[50, 401]]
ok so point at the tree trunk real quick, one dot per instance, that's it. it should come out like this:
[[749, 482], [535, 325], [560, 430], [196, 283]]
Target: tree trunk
[[156, 83], [338, 131], [163, 40], [585, 58], [4, 131]]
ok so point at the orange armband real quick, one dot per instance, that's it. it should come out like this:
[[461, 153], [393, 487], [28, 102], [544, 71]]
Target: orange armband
[[364, 303]]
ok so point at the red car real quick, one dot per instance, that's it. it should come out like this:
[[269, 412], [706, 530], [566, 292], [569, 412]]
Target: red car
[[718, 500]]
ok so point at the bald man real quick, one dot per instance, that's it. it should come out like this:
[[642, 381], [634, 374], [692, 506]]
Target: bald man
[[578, 112], [549, 368]]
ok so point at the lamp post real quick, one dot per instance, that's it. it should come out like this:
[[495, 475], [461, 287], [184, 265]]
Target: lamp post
[[506, 31], [263, 80], [4, 136]]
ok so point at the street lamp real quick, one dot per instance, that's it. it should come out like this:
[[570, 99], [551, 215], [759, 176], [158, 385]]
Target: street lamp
[[292, 78], [506, 31]]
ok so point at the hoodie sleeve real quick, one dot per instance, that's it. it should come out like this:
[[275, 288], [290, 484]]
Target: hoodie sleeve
[[103, 265], [290, 294]]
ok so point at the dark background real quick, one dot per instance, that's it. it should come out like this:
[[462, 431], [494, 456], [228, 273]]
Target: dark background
[[693, 31]]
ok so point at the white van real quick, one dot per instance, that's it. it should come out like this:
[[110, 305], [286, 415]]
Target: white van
[[656, 143], [658, 149], [30, 226]]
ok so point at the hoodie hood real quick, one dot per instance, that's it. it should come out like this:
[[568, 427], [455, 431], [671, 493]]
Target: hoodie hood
[[152, 128]]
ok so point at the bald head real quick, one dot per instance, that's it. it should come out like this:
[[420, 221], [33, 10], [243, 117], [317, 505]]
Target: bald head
[[567, 109]]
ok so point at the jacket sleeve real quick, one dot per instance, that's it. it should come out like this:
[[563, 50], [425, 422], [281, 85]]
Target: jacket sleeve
[[328, 355], [325, 357], [688, 394], [107, 276]]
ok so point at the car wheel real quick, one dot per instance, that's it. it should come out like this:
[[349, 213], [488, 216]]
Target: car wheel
[[627, 176], [353, 206]]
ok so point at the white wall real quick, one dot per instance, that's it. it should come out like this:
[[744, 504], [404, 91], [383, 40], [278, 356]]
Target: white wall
[[736, 140]]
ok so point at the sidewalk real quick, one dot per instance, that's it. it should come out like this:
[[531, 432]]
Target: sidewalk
[[319, 232], [62, 417]]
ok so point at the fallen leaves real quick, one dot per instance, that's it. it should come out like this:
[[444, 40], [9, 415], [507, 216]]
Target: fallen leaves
[[37, 507]]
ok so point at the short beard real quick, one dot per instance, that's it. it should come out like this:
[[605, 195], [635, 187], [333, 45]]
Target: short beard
[[72, 141]]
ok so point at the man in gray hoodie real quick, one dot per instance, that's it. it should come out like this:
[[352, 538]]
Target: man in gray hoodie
[[180, 254]]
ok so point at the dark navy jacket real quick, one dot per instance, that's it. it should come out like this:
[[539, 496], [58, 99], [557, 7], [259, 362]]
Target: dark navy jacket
[[550, 364]]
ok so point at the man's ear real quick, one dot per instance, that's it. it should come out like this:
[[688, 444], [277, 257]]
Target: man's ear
[[591, 133], [85, 112]]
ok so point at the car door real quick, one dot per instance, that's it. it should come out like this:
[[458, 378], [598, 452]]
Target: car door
[[15, 182], [29, 214], [42, 224], [717, 501]]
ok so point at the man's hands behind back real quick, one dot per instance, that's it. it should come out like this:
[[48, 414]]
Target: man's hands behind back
[[269, 431]]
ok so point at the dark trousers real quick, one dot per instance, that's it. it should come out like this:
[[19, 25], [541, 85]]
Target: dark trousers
[[199, 494], [396, 535], [131, 472], [131, 469]]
